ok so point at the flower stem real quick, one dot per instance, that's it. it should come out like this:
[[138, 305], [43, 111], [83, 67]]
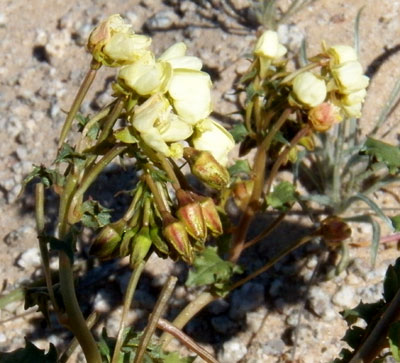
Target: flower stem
[[87, 82], [158, 310], [111, 119], [185, 340], [259, 175], [44, 253], [133, 281], [188, 313], [76, 321]]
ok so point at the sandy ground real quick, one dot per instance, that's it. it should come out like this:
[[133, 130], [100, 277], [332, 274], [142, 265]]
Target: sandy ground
[[43, 61]]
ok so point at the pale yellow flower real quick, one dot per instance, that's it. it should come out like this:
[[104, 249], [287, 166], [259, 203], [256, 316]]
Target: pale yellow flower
[[353, 110], [175, 56], [211, 136], [158, 125], [113, 43], [349, 77], [341, 54], [308, 89], [354, 97], [146, 76], [190, 91], [268, 46]]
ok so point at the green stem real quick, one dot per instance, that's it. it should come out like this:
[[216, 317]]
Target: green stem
[[158, 310], [74, 215], [259, 175], [165, 164], [111, 119], [187, 314], [39, 214], [133, 281], [76, 321], [91, 320], [337, 167], [162, 208], [87, 82]]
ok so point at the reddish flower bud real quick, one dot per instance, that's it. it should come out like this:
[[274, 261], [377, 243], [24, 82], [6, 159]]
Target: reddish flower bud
[[176, 235], [107, 241], [206, 168], [211, 216]]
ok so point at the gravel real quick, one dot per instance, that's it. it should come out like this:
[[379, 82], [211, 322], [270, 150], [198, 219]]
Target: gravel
[[232, 351], [29, 259]]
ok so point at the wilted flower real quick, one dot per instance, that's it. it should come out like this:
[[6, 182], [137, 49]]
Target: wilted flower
[[323, 116], [308, 89], [268, 46], [213, 137], [113, 43], [190, 93]]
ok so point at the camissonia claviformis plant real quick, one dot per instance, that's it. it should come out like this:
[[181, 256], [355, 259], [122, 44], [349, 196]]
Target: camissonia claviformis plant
[[160, 119]]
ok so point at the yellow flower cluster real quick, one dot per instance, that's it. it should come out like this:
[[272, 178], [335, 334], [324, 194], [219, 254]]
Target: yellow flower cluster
[[350, 81], [174, 95]]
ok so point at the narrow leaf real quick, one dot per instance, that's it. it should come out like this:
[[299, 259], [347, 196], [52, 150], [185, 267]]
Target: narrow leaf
[[394, 340]]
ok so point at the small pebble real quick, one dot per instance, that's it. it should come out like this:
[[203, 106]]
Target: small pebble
[[274, 347], [232, 351], [345, 297], [162, 20], [29, 259], [320, 304]]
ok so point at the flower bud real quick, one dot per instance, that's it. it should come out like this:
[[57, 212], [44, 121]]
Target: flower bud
[[308, 89], [206, 168], [213, 137], [349, 77], [268, 46], [176, 235], [107, 240], [191, 216], [141, 245], [211, 216], [125, 246], [323, 116], [160, 245], [334, 229]]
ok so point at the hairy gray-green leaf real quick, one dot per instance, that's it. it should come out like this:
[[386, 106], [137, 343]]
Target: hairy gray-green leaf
[[241, 167], [238, 132]]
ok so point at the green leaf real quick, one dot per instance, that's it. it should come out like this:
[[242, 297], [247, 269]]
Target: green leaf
[[282, 197], [95, 215], [394, 340], [210, 269], [38, 296], [240, 168], [383, 152], [67, 245], [30, 354], [239, 132], [376, 237], [174, 357], [367, 312], [396, 222], [47, 176], [68, 155], [125, 136]]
